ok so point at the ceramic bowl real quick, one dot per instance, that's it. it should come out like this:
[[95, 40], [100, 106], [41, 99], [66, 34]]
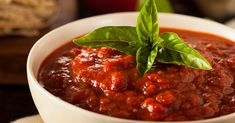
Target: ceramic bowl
[[54, 110]]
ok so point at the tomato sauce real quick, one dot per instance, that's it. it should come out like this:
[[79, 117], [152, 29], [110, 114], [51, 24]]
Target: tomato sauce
[[106, 81]]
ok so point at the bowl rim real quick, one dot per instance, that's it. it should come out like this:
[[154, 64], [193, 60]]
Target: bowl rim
[[69, 106]]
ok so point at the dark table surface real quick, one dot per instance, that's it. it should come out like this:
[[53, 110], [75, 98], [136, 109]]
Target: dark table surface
[[16, 101]]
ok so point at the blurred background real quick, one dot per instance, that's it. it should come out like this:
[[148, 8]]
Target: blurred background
[[23, 22]]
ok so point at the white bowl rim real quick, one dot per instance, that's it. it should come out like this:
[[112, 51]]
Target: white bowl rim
[[97, 115]]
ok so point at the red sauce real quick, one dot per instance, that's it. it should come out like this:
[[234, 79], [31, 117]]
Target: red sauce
[[106, 81]]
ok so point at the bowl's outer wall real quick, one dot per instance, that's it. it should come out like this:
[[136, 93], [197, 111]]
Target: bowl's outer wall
[[54, 110]]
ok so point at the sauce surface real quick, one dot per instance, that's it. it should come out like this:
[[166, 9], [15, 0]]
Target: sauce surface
[[106, 81]]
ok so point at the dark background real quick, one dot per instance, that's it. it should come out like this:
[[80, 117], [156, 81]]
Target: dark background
[[15, 99]]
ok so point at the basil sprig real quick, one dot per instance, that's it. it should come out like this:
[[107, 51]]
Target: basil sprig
[[147, 29], [144, 42]]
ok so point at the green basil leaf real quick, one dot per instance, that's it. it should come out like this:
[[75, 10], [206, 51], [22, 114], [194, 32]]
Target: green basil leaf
[[176, 51], [167, 56], [122, 38], [146, 57], [142, 55], [147, 24], [152, 56]]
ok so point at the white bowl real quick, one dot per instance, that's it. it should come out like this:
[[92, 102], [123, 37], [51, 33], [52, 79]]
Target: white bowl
[[54, 110]]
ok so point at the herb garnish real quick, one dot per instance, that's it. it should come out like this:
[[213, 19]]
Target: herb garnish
[[145, 43]]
